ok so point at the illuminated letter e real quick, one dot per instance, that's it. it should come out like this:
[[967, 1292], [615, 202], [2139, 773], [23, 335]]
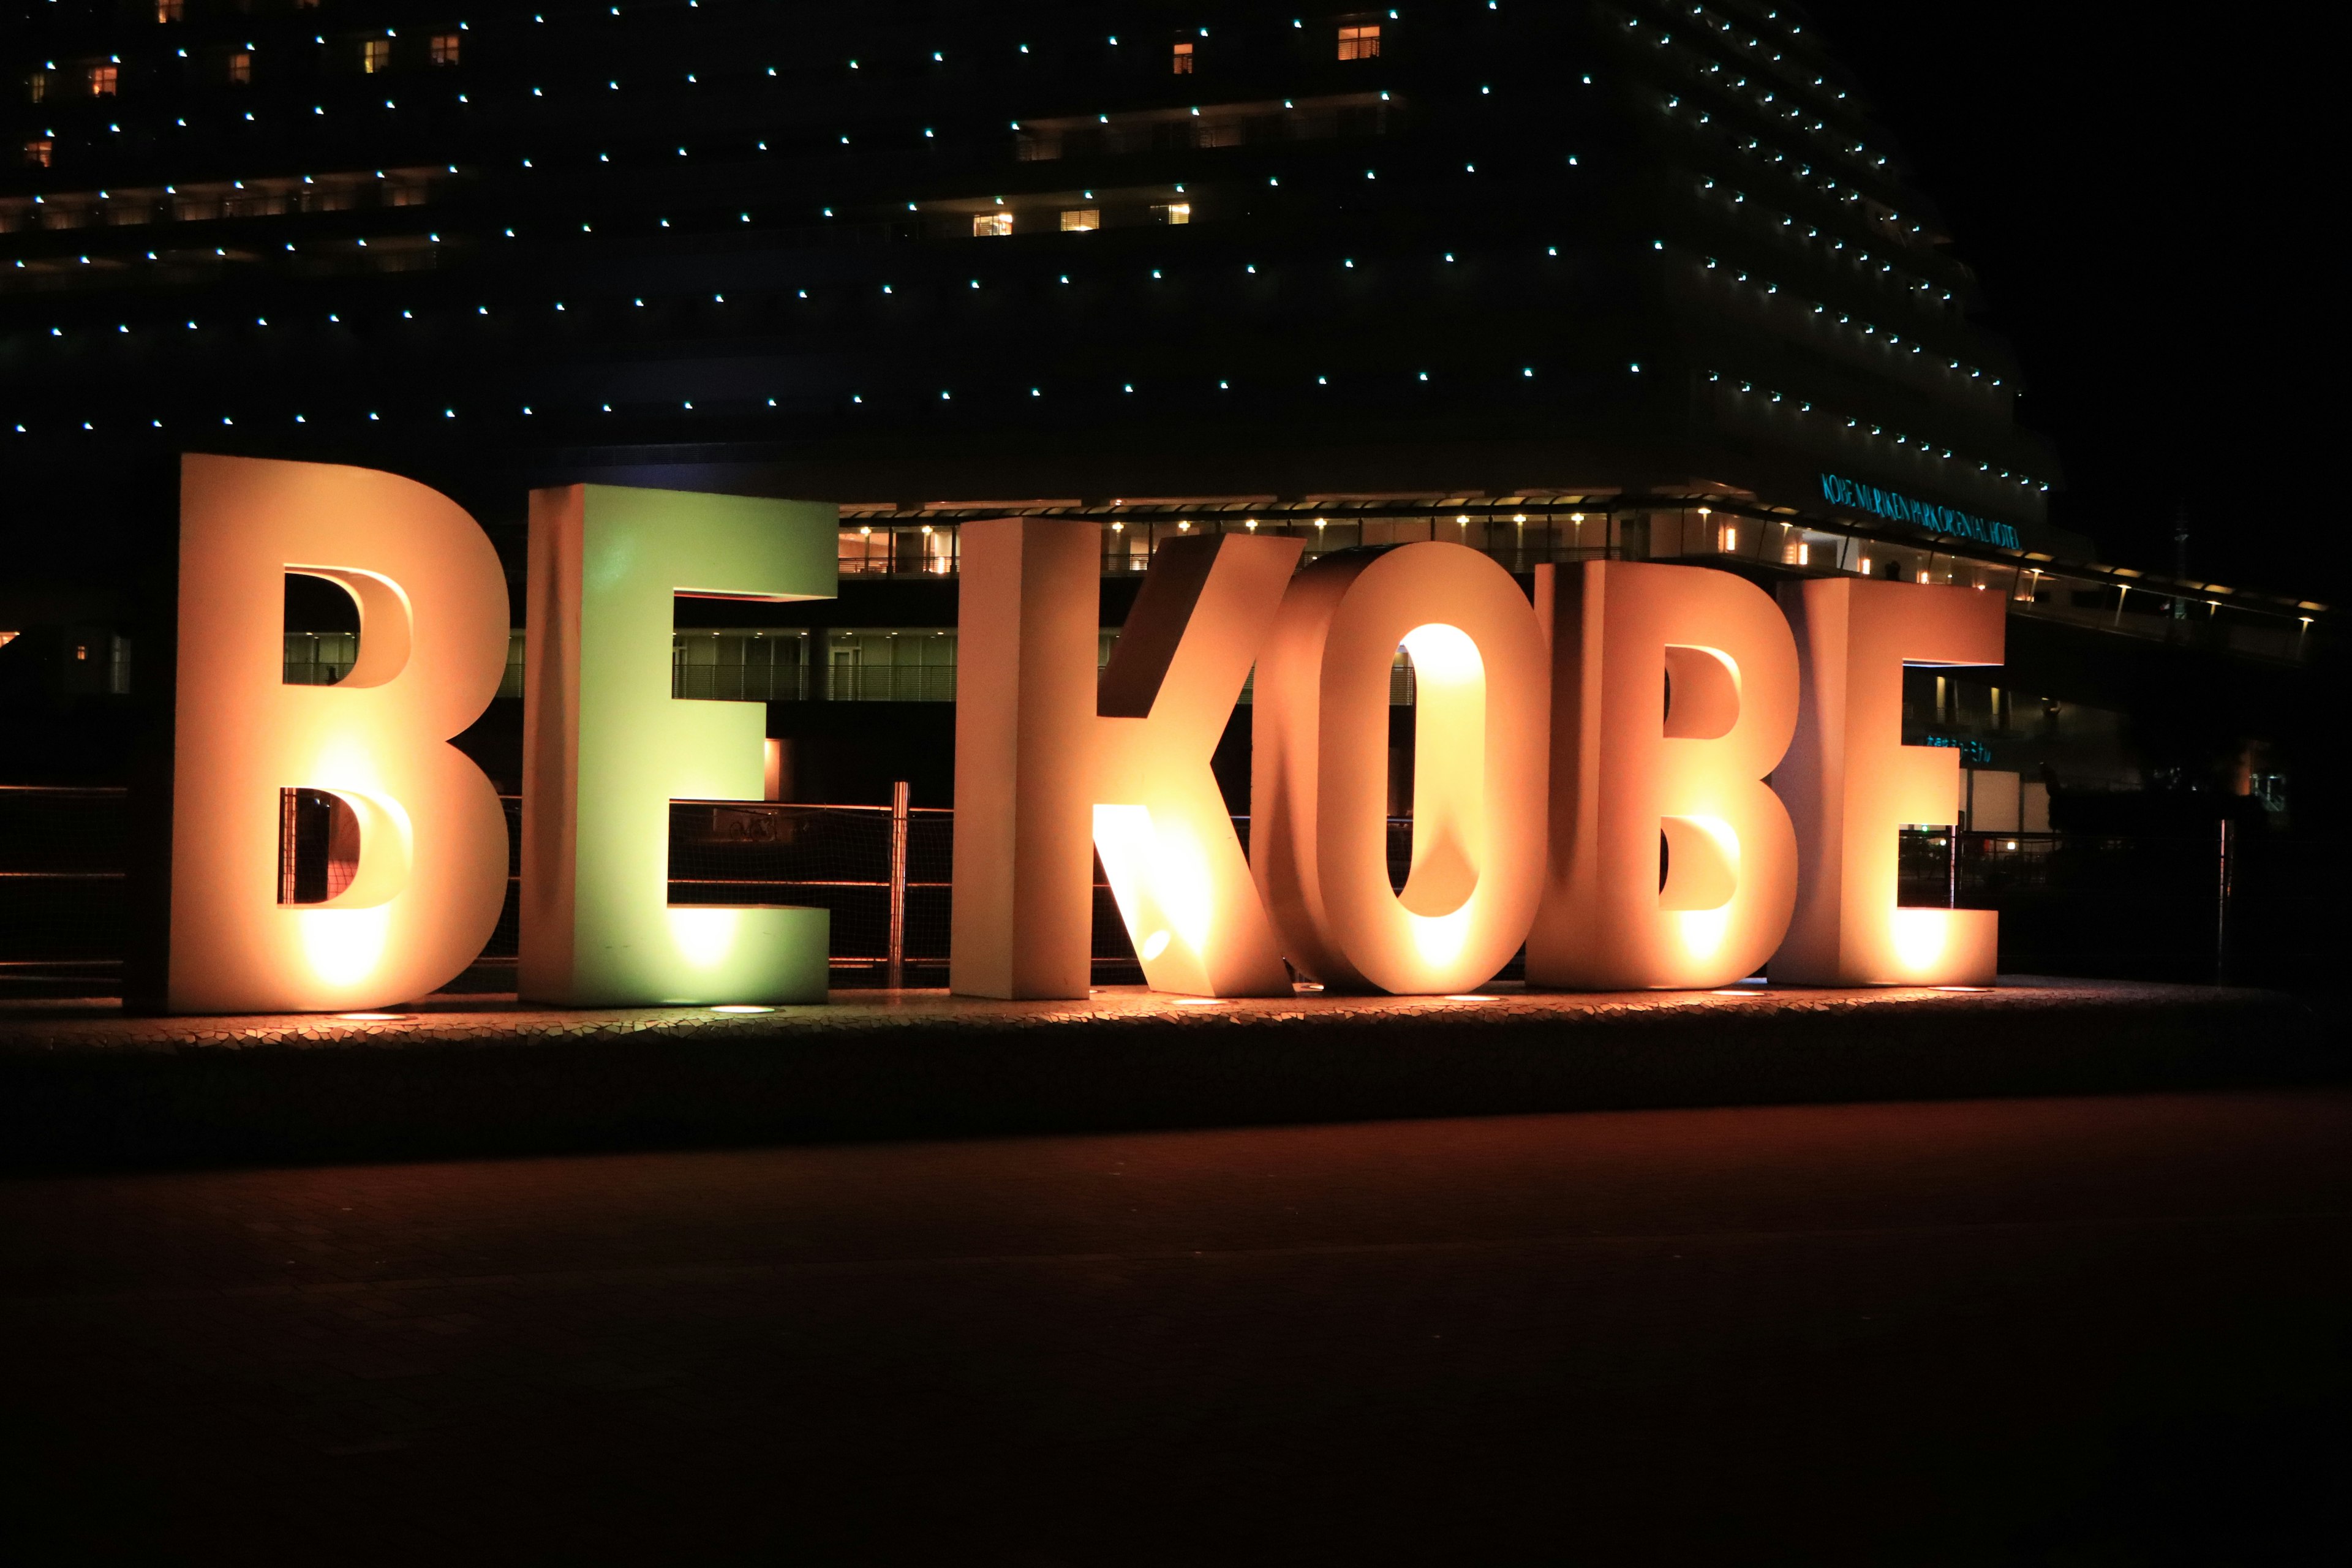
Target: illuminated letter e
[[1851, 783], [606, 748]]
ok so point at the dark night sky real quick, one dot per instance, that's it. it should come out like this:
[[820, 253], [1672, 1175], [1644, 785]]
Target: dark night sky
[[2146, 196]]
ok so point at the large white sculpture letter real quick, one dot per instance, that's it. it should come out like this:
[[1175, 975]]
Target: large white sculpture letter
[[1851, 783], [432, 843], [606, 748], [1046, 763], [1673, 694], [1319, 811]]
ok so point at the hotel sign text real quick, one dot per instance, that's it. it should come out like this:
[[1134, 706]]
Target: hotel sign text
[[1949, 522]]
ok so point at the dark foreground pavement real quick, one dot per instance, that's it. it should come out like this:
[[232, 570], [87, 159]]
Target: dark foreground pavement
[[2077, 1332]]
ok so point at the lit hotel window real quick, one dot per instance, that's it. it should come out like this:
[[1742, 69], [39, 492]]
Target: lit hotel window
[[1182, 58], [101, 81], [38, 152], [1360, 43], [169, 10], [240, 68], [1081, 220], [444, 49], [375, 55], [39, 85], [985, 224], [1174, 212]]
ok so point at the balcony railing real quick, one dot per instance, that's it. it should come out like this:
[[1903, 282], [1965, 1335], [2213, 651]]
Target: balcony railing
[[739, 682]]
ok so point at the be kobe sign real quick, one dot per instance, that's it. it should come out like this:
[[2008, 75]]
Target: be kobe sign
[[1560, 743]]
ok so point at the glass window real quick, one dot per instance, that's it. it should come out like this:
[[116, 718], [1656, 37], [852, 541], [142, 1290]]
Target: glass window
[[985, 224], [444, 49], [39, 85], [169, 10], [1181, 60], [240, 67], [863, 551], [1081, 220], [101, 81], [40, 152], [1174, 212], [375, 55], [1360, 43]]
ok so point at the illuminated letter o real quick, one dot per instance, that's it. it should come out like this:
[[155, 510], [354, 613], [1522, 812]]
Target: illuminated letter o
[[1319, 808]]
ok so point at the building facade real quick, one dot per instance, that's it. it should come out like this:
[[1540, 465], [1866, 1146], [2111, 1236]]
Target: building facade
[[1558, 281]]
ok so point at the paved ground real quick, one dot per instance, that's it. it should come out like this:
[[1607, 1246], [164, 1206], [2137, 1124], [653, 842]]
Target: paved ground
[[2082, 1331], [99, 1024], [83, 1086]]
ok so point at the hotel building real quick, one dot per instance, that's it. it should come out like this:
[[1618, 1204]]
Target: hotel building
[[1558, 280]]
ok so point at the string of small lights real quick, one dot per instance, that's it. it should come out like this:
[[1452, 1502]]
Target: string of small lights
[[572, 81]]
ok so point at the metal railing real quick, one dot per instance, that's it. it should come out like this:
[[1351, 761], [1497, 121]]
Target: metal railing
[[2247, 907], [890, 683], [745, 683]]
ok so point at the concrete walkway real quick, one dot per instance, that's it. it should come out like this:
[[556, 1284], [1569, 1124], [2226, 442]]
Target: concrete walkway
[[81, 1084]]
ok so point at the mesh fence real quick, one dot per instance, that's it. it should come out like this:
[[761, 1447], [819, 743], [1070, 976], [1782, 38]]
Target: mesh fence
[[61, 890], [2143, 906], [2150, 908]]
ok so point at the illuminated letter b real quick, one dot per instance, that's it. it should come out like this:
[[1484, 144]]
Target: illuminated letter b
[[1673, 694], [413, 906]]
